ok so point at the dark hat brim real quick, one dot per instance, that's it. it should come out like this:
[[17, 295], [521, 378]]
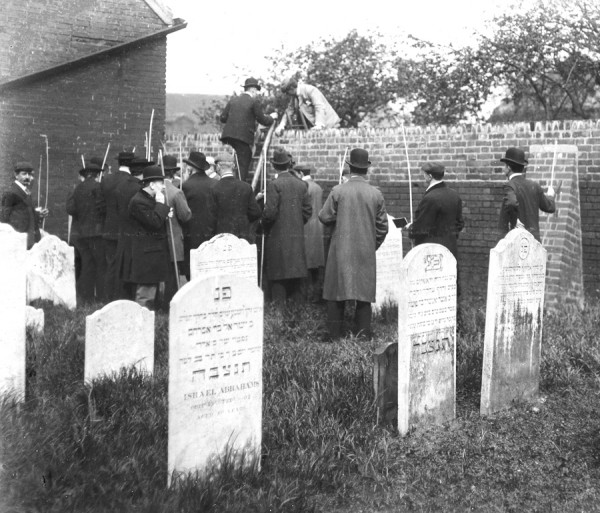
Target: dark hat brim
[[172, 168], [153, 178], [195, 165], [256, 86], [524, 163], [280, 162], [361, 165]]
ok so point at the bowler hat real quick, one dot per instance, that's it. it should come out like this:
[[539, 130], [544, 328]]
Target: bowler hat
[[359, 158], [139, 163], [516, 155], [303, 168], [170, 163], [435, 169], [289, 84], [152, 173], [224, 157], [251, 82], [125, 157], [23, 166], [198, 160], [95, 168], [281, 157]]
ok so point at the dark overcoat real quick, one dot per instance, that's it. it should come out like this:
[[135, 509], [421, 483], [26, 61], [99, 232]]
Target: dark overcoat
[[313, 229], [88, 208], [109, 185], [356, 211], [149, 259], [127, 228], [287, 208], [17, 210], [181, 215], [197, 191], [234, 207], [240, 116], [438, 218], [523, 200]]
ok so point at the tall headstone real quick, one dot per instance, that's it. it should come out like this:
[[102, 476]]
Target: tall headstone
[[215, 372], [389, 259], [513, 322], [224, 254], [426, 337], [51, 272], [13, 248], [121, 334]]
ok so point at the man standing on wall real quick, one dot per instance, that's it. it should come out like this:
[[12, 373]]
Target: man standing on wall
[[438, 218], [240, 117], [523, 198], [356, 211]]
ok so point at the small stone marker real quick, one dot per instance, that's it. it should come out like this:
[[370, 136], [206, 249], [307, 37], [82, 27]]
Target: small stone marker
[[34, 319], [224, 254], [513, 322], [13, 249], [215, 372], [385, 383], [51, 272], [426, 337], [121, 334], [389, 259]]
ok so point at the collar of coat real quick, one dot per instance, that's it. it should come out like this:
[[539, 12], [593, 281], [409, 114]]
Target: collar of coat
[[441, 183]]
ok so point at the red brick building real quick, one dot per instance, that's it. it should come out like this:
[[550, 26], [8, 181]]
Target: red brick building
[[85, 73]]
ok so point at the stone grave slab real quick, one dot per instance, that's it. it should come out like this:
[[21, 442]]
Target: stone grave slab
[[51, 272], [426, 337], [224, 254], [385, 383], [513, 322], [121, 334], [389, 259], [13, 249], [215, 372]]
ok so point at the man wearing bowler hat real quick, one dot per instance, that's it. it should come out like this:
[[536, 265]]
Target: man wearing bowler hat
[[148, 264], [356, 212], [200, 228], [240, 117], [523, 198], [17, 205]]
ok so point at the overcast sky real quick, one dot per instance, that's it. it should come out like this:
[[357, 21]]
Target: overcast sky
[[226, 40]]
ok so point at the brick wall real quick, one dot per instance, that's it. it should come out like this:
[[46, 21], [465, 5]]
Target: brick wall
[[470, 154]]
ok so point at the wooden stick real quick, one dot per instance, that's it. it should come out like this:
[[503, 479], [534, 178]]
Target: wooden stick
[[553, 162], [262, 252], [39, 184], [82, 161], [410, 196], [162, 168], [150, 136], [342, 164], [237, 165], [180, 166], [47, 176], [104, 161], [263, 155]]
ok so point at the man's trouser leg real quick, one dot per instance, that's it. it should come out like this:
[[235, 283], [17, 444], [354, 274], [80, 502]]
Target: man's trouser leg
[[86, 278], [335, 318], [244, 156], [278, 291], [145, 295], [362, 319]]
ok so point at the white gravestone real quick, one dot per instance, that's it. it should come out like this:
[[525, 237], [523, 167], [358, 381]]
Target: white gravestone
[[51, 272], [513, 321], [13, 249], [426, 337], [34, 319], [215, 372], [224, 254], [389, 259], [121, 334]]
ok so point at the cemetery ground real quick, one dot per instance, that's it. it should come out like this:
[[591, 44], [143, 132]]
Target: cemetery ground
[[71, 447]]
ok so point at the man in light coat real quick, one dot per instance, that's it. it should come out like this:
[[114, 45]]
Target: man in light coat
[[356, 211], [312, 105]]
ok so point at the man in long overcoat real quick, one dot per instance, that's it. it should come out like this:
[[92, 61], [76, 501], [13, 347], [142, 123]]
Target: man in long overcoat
[[287, 209], [356, 211], [149, 261], [234, 205], [240, 117], [438, 218], [523, 198], [17, 205], [197, 191]]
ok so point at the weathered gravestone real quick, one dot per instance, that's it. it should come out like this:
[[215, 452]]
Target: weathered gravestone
[[121, 334], [389, 259], [51, 272], [215, 372], [426, 337], [13, 247], [224, 254], [513, 322]]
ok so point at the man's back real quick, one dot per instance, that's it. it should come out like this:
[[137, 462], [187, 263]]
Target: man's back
[[109, 186], [197, 191], [88, 208], [240, 117]]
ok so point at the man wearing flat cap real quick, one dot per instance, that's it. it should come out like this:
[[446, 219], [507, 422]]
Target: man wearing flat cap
[[87, 207], [438, 218], [148, 263], [287, 209], [234, 205], [356, 212], [200, 228], [240, 117], [310, 103], [17, 205], [523, 198]]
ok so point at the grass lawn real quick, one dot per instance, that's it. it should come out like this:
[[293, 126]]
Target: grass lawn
[[71, 448]]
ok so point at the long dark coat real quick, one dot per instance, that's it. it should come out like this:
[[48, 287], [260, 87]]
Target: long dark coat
[[240, 116], [17, 210], [109, 186], [356, 210], [234, 207], [181, 215], [438, 218], [287, 208], [88, 208], [523, 200], [148, 262], [127, 228], [313, 229], [197, 191]]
